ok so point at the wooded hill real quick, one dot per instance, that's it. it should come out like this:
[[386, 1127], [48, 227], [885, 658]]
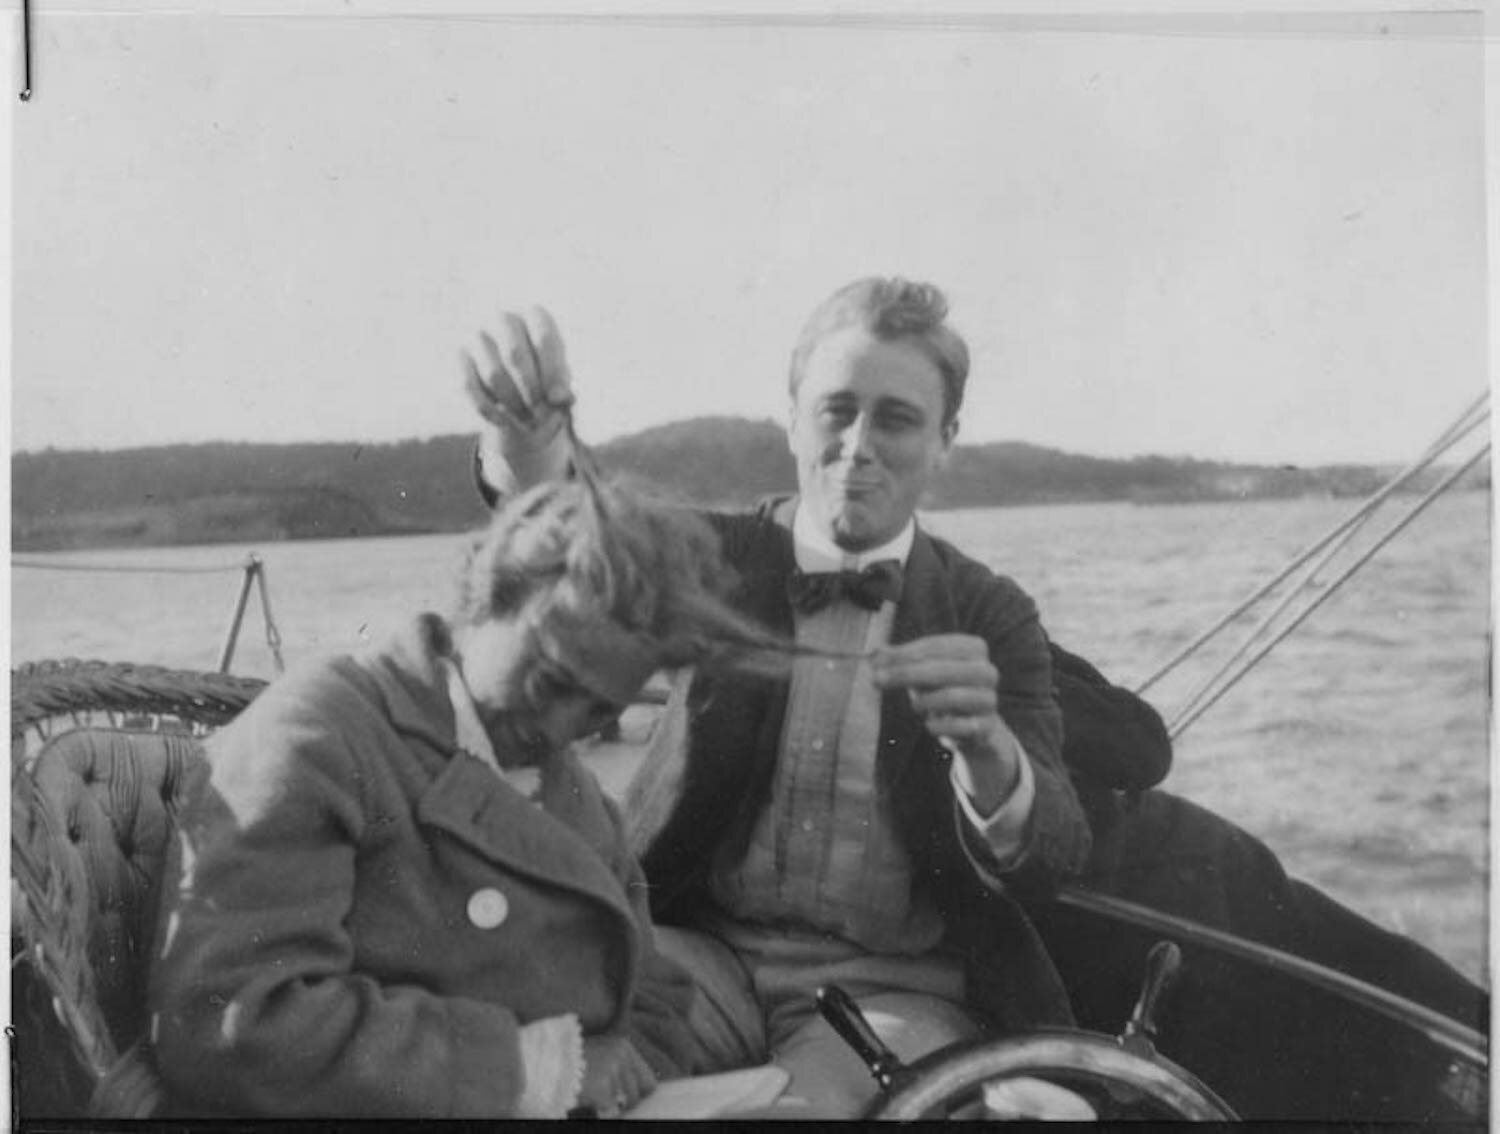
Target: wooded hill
[[221, 492]]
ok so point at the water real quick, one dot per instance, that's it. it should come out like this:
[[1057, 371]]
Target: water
[[1358, 749]]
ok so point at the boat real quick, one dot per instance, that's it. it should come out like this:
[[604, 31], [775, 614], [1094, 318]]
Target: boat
[[1175, 1019]]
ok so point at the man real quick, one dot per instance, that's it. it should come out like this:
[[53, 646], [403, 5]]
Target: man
[[873, 828], [857, 824]]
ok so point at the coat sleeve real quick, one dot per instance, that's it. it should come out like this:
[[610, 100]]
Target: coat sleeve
[[1056, 842], [1111, 736], [257, 1004]]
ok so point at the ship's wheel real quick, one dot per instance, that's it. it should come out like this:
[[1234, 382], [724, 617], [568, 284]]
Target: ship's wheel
[[1059, 1073]]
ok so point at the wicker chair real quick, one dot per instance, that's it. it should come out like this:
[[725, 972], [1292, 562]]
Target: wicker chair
[[98, 754]]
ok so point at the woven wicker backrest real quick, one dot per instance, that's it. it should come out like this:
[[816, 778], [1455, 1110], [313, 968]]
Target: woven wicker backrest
[[99, 755], [115, 793]]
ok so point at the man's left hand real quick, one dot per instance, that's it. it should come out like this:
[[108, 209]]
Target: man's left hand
[[952, 684]]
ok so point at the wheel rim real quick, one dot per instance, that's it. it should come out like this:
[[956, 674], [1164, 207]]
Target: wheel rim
[[946, 1075]]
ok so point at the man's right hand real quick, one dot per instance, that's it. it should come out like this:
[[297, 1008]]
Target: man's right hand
[[520, 385]]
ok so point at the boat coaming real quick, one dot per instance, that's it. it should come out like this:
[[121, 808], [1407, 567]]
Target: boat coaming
[[1278, 1037]]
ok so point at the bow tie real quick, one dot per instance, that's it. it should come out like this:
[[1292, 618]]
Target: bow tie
[[879, 582]]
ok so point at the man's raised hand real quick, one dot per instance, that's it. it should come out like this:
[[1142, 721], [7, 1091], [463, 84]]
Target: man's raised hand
[[520, 379], [519, 384]]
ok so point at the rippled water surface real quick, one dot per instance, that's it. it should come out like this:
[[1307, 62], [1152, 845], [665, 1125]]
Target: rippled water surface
[[1358, 749]]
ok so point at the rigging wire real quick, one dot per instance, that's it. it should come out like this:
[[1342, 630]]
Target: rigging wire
[[1190, 714], [273, 634], [1307, 581], [1472, 416], [253, 569], [126, 568]]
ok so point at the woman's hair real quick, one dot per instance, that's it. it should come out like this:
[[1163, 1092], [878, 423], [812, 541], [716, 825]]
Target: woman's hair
[[892, 309], [611, 550]]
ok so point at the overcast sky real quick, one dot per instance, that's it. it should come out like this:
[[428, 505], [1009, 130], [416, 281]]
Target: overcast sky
[[1244, 238]]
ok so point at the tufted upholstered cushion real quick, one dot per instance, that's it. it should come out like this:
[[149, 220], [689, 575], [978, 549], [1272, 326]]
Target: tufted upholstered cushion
[[114, 795]]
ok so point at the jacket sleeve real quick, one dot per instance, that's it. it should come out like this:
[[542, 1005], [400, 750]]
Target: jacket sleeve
[[664, 990], [257, 1004], [1056, 843], [1111, 736]]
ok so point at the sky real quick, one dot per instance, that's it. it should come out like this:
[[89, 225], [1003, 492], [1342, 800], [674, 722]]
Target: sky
[[1235, 236]]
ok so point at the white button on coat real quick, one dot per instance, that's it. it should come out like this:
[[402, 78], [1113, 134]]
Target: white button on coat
[[488, 908]]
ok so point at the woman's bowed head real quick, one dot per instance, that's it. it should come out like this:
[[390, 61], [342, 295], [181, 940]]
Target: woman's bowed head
[[575, 595]]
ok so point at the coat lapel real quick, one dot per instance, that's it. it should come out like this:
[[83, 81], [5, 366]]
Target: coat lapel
[[926, 607], [476, 807], [703, 793], [656, 788]]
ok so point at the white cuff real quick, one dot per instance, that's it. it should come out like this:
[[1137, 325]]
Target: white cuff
[[1004, 832], [515, 460], [552, 1062]]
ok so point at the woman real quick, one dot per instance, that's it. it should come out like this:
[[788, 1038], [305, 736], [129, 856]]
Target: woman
[[397, 892]]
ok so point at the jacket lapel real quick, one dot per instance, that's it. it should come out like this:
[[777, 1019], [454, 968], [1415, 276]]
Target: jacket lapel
[[655, 790], [472, 804], [926, 607], [732, 727], [741, 717], [762, 711]]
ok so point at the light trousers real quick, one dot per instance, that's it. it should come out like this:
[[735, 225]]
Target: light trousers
[[755, 1004]]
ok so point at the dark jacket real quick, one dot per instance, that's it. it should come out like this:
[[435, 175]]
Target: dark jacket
[[734, 734], [1111, 738]]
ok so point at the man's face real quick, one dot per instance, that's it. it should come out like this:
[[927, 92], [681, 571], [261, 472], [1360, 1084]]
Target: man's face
[[867, 433]]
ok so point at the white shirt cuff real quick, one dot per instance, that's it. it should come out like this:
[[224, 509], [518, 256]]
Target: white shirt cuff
[[1004, 832], [516, 461], [552, 1062]]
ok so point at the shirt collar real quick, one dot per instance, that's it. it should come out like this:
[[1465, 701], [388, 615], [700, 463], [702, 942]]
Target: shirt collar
[[471, 737], [469, 733], [817, 552]]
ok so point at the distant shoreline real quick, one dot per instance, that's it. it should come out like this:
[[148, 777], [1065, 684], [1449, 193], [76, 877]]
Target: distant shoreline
[[132, 531], [233, 493]]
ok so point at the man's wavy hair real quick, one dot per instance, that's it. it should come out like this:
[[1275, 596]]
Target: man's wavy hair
[[892, 309], [651, 566]]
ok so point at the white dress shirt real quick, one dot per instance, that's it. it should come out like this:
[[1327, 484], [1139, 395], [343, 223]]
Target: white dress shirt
[[1003, 830]]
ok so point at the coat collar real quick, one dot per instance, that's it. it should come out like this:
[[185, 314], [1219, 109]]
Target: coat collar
[[408, 673], [926, 605], [470, 801]]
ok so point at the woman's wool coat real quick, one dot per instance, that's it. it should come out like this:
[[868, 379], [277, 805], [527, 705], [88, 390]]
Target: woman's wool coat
[[358, 916]]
